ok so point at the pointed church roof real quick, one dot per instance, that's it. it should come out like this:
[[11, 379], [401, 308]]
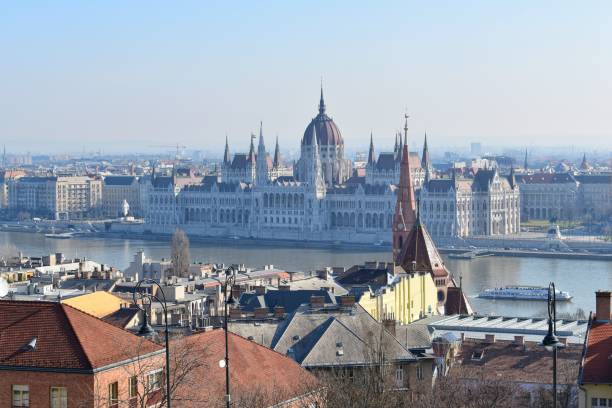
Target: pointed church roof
[[420, 254], [425, 158], [276, 163], [371, 158], [251, 156], [405, 195], [226, 154]]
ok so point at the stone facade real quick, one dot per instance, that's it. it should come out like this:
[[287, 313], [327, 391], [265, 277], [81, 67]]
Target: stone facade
[[56, 197]]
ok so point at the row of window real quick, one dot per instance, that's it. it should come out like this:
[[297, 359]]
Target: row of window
[[58, 396]]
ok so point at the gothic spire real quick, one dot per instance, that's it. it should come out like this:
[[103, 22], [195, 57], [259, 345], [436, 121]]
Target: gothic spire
[[425, 163], [525, 165], [321, 101], [262, 159], [512, 178], [276, 154], [251, 157], [261, 139], [371, 158], [405, 215], [226, 154], [585, 164]]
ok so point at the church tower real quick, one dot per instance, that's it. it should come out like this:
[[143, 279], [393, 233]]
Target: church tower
[[405, 209], [262, 160]]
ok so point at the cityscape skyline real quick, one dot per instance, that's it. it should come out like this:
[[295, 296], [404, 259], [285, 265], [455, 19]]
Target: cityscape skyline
[[495, 74]]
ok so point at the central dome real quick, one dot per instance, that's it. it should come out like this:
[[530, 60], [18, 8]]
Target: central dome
[[323, 128]]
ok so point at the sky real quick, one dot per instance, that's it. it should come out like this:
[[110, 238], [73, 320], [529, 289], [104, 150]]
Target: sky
[[142, 75]]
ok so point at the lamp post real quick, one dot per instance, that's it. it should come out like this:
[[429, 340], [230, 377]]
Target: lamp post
[[145, 328], [550, 341], [230, 279]]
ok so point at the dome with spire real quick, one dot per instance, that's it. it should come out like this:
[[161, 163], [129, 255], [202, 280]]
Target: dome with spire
[[323, 128]]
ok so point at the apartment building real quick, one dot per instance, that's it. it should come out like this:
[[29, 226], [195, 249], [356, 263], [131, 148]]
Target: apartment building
[[56, 197]]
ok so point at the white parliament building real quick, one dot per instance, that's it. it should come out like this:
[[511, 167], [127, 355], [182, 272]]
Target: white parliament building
[[323, 200]]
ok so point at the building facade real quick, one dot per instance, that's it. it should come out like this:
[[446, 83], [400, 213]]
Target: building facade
[[487, 204], [117, 189], [56, 197], [322, 201]]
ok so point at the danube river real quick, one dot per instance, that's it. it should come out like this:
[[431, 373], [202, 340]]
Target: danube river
[[580, 278]]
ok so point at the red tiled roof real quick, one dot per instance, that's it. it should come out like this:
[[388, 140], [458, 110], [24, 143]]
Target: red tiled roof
[[66, 338], [597, 366], [253, 368]]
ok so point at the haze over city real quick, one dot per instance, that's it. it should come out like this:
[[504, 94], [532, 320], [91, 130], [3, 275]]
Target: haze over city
[[123, 77]]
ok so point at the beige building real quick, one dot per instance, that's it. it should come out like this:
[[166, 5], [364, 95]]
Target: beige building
[[56, 197], [119, 188]]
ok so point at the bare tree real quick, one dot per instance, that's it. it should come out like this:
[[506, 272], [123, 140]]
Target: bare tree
[[180, 253]]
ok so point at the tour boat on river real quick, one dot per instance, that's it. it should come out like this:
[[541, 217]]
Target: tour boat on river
[[523, 293]]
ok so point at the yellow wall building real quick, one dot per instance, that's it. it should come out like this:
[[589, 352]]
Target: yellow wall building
[[97, 304], [408, 297]]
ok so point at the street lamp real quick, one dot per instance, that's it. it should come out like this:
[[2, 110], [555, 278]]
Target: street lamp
[[145, 328], [230, 279], [550, 341]]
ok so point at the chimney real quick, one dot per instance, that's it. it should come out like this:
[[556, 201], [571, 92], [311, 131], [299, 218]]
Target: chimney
[[603, 305], [260, 290], [489, 338], [279, 312], [261, 312], [322, 274], [519, 340], [347, 301], [389, 325], [235, 313], [462, 335], [317, 301], [284, 288]]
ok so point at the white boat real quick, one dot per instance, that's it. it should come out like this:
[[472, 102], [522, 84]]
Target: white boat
[[523, 293], [63, 235]]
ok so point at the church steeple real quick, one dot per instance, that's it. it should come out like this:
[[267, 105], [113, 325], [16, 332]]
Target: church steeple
[[276, 163], [425, 163], [585, 164], [525, 164], [405, 209], [262, 159], [226, 154], [371, 158]]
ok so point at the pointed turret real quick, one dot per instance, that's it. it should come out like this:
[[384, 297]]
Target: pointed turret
[[425, 163], [525, 164], [276, 163], [585, 164], [262, 159], [226, 155], [251, 157], [371, 158], [321, 102], [512, 177], [405, 208], [396, 147]]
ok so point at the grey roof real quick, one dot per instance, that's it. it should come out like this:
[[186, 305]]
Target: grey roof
[[386, 161], [119, 180], [259, 332], [89, 284], [594, 178], [413, 335], [240, 161], [122, 317], [290, 300], [316, 338], [505, 327]]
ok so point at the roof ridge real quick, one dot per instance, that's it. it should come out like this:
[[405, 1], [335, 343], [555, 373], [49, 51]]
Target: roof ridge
[[104, 322], [74, 332], [328, 323]]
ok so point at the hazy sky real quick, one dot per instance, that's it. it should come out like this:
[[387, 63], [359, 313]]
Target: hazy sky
[[108, 75]]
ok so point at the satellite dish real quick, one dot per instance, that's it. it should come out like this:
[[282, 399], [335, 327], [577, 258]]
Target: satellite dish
[[4, 287]]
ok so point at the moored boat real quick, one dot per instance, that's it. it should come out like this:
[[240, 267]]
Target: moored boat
[[523, 293]]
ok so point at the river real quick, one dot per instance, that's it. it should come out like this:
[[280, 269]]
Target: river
[[581, 278]]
